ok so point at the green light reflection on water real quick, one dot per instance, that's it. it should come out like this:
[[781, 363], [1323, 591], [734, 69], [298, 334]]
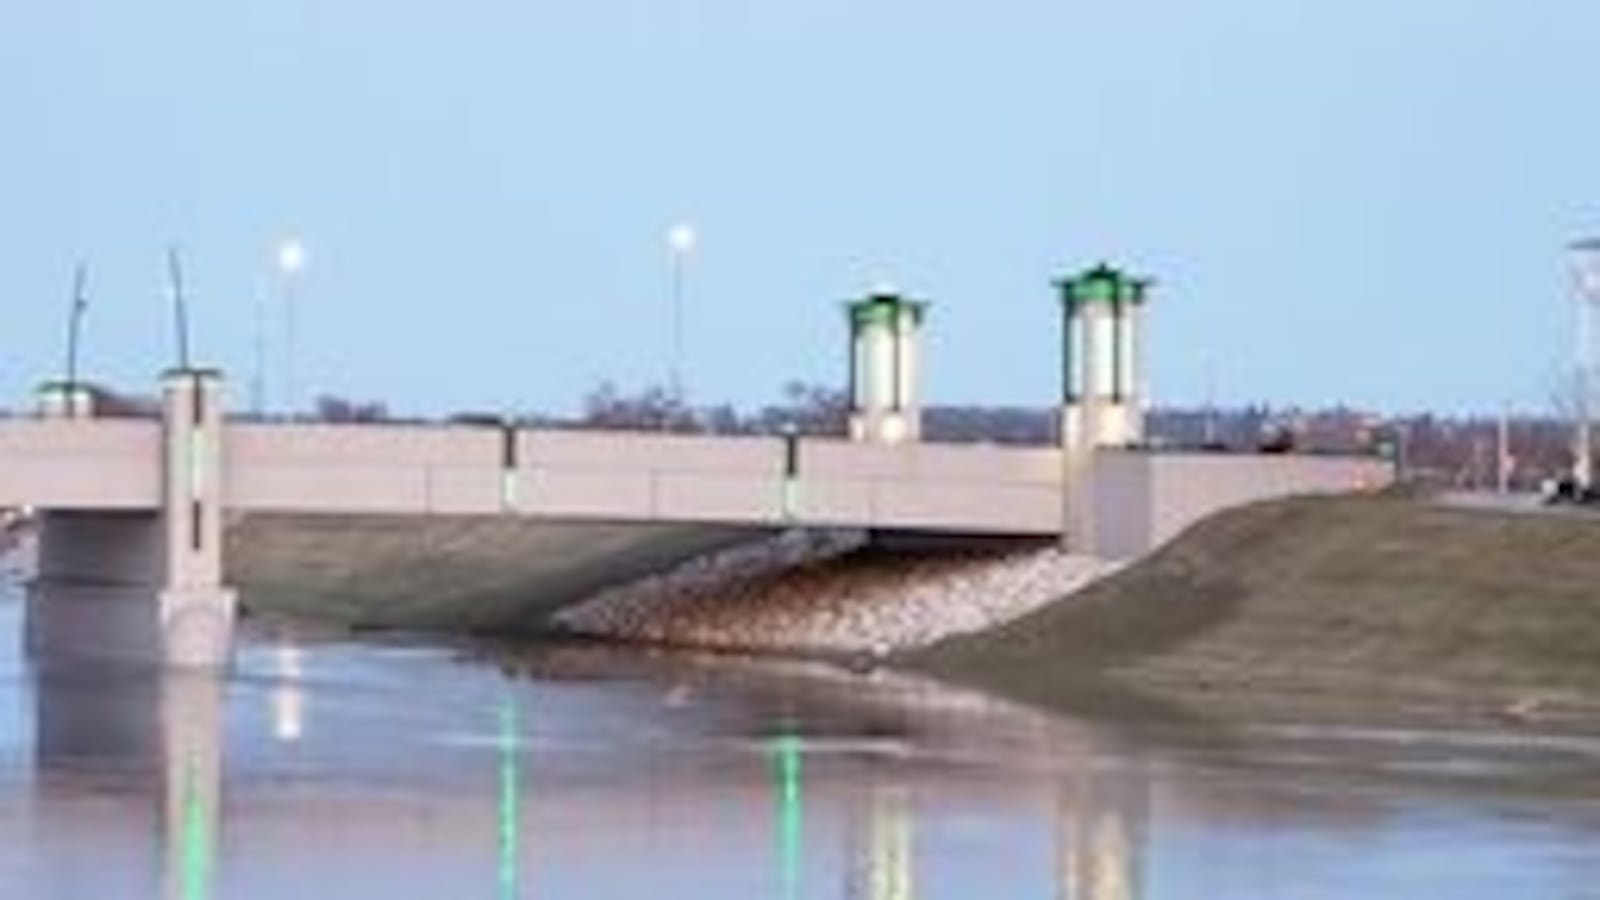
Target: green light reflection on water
[[510, 799], [787, 770], [197, 849]]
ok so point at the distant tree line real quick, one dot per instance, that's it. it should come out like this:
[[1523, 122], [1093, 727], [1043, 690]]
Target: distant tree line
[[1455, 451]]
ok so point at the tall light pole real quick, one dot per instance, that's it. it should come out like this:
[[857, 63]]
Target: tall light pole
[[291, 262], [682, 240], [258, 350], [1585, 260]]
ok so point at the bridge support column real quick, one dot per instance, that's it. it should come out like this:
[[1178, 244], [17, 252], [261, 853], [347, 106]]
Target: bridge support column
[[196, 610]]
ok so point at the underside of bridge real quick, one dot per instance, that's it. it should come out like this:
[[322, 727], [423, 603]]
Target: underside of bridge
[[455, 573]]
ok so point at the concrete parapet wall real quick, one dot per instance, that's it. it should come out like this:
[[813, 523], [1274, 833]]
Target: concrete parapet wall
[[643, 451], [927, 462], [1145, 499], [80, 464], [632, 476], [362, 469]]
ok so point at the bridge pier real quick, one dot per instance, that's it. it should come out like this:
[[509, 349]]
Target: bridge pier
[[196, 609], [142, 587]]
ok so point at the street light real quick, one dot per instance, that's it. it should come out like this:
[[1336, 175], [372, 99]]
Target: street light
[[682, 240], [1584, 257], [292, 258]]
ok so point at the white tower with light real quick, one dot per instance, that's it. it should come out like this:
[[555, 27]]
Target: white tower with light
[[1102, 394], [1585, 258], [884, 364]]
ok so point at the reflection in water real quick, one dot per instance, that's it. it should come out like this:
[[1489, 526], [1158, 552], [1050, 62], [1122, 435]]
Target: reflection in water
[[97, 725], [786, 767], [418, 771], [1102, 830], [510, 798], [288, 694], [191, 719], [890, 861]]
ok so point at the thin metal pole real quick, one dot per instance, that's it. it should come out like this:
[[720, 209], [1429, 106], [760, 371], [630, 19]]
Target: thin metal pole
[[258, 378], [1209, 438], [676, 374], [291, 375], [80, 303], [180, 306], [1502, 457], [1583, 452]]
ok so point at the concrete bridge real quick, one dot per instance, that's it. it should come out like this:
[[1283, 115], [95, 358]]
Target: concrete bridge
[[142, 520]]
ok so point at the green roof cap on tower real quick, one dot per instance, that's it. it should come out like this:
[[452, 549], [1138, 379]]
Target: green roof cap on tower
[[1103, 284], [885, 306]]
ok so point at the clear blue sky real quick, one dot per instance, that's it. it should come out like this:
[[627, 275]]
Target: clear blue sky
[[1358, 200]]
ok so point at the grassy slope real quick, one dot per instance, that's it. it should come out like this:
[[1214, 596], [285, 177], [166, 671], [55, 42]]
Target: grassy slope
[[1339, 603]]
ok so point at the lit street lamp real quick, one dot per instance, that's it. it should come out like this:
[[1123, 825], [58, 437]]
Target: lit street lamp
[[682, 240], [1585, 260], [292, 259]]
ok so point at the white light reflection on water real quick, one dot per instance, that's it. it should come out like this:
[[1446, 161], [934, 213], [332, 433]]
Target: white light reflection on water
[[288, 697], [413, 775]]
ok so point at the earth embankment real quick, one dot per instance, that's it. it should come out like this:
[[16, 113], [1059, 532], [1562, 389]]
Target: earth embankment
[[1374, 609]]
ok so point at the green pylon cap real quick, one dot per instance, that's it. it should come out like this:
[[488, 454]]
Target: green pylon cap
[[1104, 284], [885, 308]]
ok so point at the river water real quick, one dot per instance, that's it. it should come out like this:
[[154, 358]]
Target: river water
[[379, 770]]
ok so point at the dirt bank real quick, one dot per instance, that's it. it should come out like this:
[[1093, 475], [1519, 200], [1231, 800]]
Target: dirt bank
[[1374, 610]]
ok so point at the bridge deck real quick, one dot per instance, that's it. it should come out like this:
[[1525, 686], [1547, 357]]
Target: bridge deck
[[608, 476]]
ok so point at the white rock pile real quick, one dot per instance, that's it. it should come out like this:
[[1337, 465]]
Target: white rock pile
[[828, 592]]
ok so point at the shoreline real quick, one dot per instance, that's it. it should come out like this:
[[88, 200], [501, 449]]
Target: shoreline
[[1359, 611]]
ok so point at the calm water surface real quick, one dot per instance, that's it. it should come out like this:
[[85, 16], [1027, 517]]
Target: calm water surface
[[370, 771]]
